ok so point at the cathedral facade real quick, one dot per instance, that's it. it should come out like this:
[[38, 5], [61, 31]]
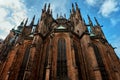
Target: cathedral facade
[[58, 49]]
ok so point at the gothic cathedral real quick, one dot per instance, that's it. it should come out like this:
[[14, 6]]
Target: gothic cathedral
[[58, 49]]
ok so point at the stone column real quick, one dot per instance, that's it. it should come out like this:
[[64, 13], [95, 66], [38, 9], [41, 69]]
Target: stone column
[[70, 67], [49, 61], [85, 41]]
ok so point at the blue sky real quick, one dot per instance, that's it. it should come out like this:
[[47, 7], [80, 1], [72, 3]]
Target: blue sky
[[12, 12]]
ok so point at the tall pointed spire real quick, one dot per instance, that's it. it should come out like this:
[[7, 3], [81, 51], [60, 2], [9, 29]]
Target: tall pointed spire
[[32, 22], [76, 6], [96, 21], [90, 22], [73, 9], [45, 7], [78, 13], [48, 10], [22, 23], [26, 22]]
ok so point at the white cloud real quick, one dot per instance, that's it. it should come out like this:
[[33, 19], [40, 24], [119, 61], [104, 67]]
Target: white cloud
[[12, 13], [91, 2], [108, 7], [94, 3]]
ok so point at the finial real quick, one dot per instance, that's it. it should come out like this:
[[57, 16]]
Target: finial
[[73, 10], [45, 7], [26, 22], [22, 22], [48, 8], [90, 22], [72, 5], [77, 9], [96, 21], [76, 5], [32, 22]]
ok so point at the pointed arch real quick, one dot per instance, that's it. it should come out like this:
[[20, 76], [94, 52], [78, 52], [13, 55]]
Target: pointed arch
[[61, 60]]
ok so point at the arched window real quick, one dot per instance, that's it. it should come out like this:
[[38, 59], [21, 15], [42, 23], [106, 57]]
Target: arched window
[[100, 63], [61, 60]]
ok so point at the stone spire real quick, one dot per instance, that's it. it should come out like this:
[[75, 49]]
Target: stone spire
[[48, 10], [78, 13], [73, 9], [26, 22], [96, 21], [90, 22], [77, 6], [45, 7], [32, 22], [91, 25], [22, 22]]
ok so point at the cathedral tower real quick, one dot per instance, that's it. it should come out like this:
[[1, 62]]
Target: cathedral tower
[[58, 49]]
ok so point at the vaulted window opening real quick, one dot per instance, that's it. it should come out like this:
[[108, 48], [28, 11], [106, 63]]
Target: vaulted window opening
[[61, 60]]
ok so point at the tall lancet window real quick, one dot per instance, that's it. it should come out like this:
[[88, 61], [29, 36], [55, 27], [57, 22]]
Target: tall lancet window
[[61, 60]]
